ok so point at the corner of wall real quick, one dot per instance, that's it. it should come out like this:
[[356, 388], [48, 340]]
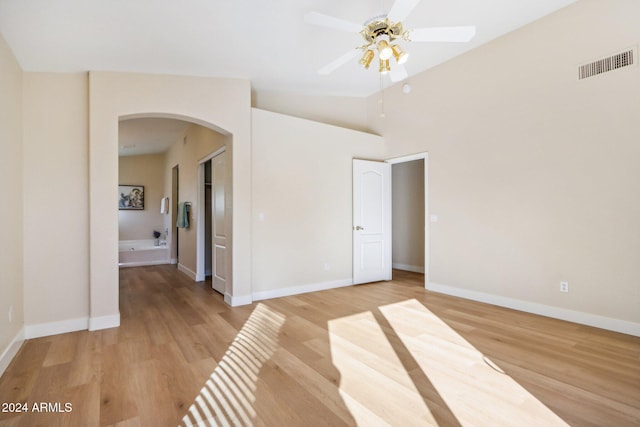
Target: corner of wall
[[11, 214], [12, 349]]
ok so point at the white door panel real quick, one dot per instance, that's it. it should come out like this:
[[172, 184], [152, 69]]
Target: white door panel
[[372, 206], [219, 188], [371, 221]]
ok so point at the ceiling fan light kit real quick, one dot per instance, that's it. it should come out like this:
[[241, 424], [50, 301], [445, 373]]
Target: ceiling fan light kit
[[384, 50], [385, 67], [379, 32], [366, 59], [400, 55]]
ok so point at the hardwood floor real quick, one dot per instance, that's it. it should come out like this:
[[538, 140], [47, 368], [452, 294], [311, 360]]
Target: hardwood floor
[[387, 353]]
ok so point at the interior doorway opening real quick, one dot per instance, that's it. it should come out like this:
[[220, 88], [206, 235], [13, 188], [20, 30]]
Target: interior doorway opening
[[214, 221], [410, 213], [188, 154]]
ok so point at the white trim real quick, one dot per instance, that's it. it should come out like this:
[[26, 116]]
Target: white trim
[[199, 273], [10, 352], [409, 158], [54, 328], [427, 226], [141, 263], [302, 289], [173, 261], [582, 318], [187, 271], [104, 322], [237, 301], [406, 267], [212, 155]]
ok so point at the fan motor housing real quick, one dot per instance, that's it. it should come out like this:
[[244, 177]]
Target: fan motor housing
[[379, 27]]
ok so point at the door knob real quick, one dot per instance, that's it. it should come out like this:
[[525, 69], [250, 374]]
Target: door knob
[[357, 227]]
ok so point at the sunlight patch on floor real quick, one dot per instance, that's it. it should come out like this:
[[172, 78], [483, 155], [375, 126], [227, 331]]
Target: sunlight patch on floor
[[374, 384], [228, 395], [408, 367]]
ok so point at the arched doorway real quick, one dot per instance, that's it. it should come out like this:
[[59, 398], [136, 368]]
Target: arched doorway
[[154, 152], [219, 104]]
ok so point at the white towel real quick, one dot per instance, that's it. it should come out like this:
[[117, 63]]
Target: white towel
[[163, 205]]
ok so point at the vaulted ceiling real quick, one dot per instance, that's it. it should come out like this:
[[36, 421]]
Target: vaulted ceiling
[[267, 42]]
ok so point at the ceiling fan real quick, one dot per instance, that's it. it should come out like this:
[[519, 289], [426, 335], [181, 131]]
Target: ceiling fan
[[381, 34]]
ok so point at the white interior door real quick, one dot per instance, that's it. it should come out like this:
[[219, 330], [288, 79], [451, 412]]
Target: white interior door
[[371, 221], [219, 253]]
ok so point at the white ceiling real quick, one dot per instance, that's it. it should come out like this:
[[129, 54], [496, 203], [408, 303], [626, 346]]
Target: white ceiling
[[265, 41], [148, 135]]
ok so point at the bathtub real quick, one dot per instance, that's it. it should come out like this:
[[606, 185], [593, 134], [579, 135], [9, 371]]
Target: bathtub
[[134, 253]]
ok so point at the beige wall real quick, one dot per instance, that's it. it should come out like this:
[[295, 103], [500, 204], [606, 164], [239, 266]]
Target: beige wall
[[302, 186], [408, 215], [534, 174], [343, 111], [56, 221], [11, 188], [186, 153], [147, 170]]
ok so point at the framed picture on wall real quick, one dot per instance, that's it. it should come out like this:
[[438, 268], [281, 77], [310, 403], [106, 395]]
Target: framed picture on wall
[[131, 197]]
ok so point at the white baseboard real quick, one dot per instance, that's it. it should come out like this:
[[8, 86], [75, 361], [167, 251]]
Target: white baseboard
[[173, 261], [406, 267], [302, 289], [54, 328], [71, 325], [10, 352], [104, 322], [141, 263], [187, 271], [582, 318], [237, 301]]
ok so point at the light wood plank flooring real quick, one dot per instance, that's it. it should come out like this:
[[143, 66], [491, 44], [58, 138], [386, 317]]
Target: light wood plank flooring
[[386, 353]]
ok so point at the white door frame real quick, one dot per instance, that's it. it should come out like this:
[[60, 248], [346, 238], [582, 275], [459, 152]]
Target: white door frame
[[200, 237], [425, 157]]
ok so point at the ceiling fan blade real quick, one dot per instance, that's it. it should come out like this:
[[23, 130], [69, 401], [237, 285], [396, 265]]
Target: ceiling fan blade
[[443, 34], [401, 9], [334, 65], [398, 73], [316, 18]]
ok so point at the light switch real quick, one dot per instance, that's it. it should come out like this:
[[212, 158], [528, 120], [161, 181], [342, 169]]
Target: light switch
[[261, 217], [433, 218]]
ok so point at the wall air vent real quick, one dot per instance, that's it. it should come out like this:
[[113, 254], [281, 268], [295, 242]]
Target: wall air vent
[[613, 62]]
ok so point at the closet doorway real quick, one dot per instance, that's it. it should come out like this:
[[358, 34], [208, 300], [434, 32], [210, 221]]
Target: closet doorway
[[214, 221]]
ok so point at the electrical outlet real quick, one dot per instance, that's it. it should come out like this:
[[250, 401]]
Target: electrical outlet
[[564, 286], [11, 313], [327, 266]]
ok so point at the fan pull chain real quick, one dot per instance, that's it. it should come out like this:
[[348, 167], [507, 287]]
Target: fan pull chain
[[382, 12], [381, 98]]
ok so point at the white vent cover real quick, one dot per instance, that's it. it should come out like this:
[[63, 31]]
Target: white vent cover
[[610, 63]]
